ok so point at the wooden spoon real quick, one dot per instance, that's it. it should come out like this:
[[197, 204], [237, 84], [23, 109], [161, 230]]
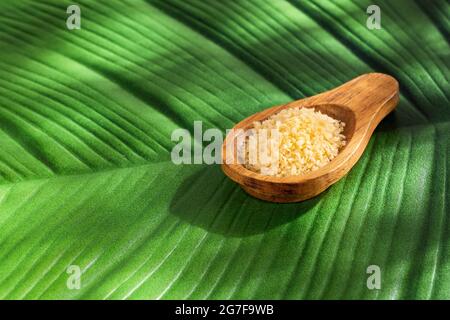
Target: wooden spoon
[[360, 103]]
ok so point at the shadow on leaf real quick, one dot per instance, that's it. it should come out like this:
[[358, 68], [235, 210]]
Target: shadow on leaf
[[211, 201]]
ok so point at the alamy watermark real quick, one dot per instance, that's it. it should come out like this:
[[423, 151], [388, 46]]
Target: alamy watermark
[[374, 19], [374, 280], [242, 146], [74, 280], [73, 21]]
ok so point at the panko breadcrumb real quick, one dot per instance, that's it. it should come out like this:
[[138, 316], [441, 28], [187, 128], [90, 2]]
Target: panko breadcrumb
[[293, 142]]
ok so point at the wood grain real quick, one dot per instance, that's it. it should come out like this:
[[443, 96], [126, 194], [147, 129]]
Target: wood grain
[[360, 103]]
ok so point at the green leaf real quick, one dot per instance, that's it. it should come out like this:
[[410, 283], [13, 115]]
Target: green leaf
[[86, 118]]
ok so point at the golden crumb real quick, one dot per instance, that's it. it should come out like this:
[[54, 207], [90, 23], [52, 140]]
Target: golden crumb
[[293, 142]]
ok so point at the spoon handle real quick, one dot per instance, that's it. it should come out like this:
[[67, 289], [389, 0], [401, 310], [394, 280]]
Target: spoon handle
[[365, 95]]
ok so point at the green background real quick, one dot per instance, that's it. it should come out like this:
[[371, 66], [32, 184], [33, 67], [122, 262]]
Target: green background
[[85, 171]]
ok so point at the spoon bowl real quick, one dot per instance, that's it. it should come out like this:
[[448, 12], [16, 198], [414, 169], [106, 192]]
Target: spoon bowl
[[360, 103]]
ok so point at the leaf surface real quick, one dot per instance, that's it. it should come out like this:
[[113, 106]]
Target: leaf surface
[[86, 118]]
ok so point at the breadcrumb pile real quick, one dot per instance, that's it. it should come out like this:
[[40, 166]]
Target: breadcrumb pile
[[293, 142]]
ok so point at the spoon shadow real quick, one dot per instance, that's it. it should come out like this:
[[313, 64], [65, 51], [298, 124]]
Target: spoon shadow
[[207, 199]]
